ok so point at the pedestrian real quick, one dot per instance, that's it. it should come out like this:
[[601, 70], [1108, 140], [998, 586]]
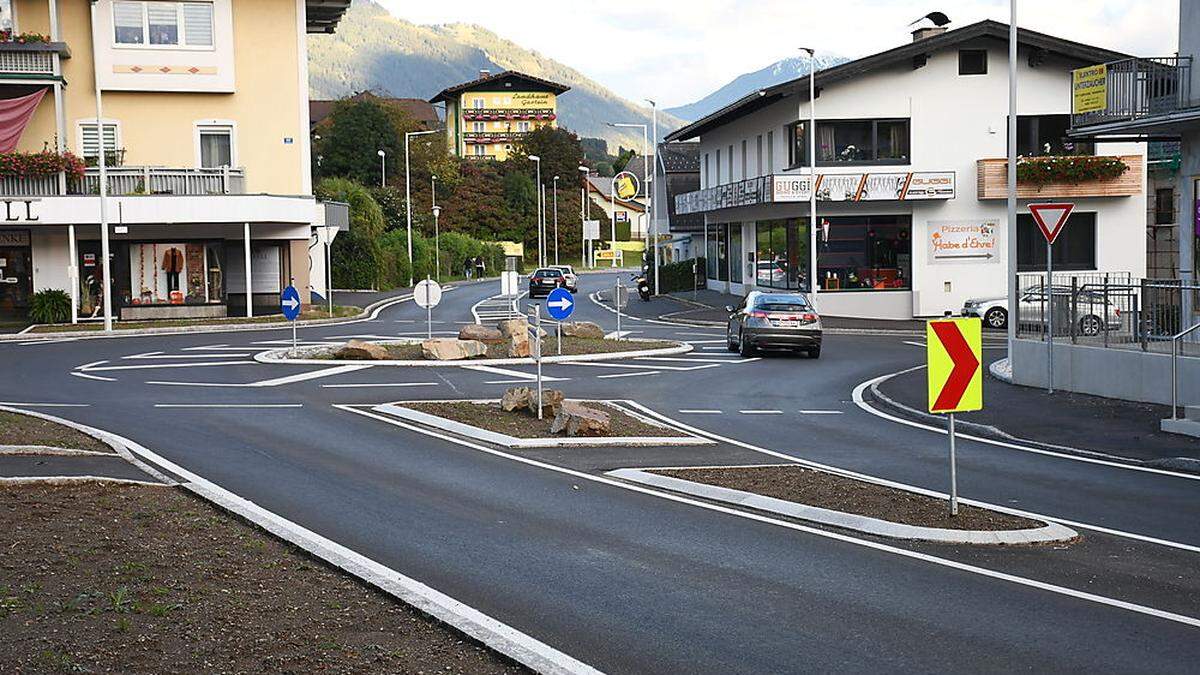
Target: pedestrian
[[467, 267], [480, 268]]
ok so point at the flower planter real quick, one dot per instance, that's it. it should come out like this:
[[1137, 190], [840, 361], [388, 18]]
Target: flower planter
[[992, 182]]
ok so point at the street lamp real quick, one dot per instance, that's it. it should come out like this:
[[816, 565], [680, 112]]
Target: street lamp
[[101, 164], [408, 194], [654, 198], [537, 161], [382, 168], [584, 210], [812, 177], [556, 220], [437, 265], [645, 169]]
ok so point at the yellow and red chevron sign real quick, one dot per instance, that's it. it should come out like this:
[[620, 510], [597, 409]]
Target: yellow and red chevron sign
[[955, 353]]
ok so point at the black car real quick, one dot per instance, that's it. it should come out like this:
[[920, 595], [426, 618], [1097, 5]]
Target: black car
[[544, 280], [774, 321]]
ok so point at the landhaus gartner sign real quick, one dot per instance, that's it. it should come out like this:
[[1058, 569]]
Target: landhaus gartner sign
[[962, 241], [841, 187]]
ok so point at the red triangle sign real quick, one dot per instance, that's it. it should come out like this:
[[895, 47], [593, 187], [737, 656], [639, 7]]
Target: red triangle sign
[[1051, 217]]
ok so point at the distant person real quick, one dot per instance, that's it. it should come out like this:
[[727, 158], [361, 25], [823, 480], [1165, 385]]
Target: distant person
[[480, 268], [468, 267]]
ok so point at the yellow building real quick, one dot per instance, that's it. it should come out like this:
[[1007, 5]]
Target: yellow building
[[204, 126], [486, 116]]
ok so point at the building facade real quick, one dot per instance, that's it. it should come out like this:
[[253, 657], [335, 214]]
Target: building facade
[[487, 116], [910, 178], [210, 192]]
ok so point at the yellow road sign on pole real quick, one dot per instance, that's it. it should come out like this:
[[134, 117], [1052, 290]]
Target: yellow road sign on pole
[[955, 353]]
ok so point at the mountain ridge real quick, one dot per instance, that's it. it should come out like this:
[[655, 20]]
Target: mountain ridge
[[775, 73]]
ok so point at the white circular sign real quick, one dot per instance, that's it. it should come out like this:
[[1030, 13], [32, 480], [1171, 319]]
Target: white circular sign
[[427, 294]]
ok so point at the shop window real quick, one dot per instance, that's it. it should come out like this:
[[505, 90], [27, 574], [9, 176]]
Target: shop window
[[162, 24], [851, 142], [972, 62], [735, 252], [1164, 206], [1047, 135], [864, 253], [781, 254], [717, 258], [1074, 250]]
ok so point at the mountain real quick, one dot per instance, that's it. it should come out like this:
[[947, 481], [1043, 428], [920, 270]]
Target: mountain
[[372, 49], [780, 71]]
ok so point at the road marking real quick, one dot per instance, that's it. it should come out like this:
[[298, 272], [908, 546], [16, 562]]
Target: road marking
[[700, 412], [46, 342], [714, 348], [229, 405], [161, 355], [820, 412], [617, 335], [167, 365], [705, 342], [761, 412], [380, 384], [592, 364], [828, 534], [311, 375], [16, 404], [616, 375], [528, 377], [730, 359], [93, 377], [683, 332]]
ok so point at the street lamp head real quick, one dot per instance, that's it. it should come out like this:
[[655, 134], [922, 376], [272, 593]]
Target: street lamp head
[[534, 158], [434, 176], [811, 52], [652, 103], [556, 178], [436, 210], [381, 153]]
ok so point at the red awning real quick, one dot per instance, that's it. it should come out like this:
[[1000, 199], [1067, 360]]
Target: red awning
[[15, 114]]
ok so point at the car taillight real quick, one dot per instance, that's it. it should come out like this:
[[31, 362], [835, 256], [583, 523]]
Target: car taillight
[[808, 318], [758, 314], [1117, 310]]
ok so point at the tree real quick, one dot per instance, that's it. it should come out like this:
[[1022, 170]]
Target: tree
[[357, 131], [560, 151], [357, 257]]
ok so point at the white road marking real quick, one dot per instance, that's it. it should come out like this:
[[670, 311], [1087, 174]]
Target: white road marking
[[713, 348], [827, 534], [160, 355], [820, 412], [682, 332], [167, 365], [700, 412], [761, 412], [616, 375], [705, 342], [368, 385], [733, 358], [229, 405], [512, 373], [617, 335], [17, 404], [46, 342], [311, 375], [93, 377], [593, 364], [914, 343]]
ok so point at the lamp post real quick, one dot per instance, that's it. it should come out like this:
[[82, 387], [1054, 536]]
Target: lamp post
[[408, 194], [583, 214], [537, 161], [101, 163], [437, 265], [1013, 301], [812, 175], [556, 220], [645, 168], [382, 168], [653, 186]]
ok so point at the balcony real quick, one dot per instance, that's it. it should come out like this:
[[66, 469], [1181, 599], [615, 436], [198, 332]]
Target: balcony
[[31, 60], [992, 178], [131, 180], [486, 137], [495, 114], [1140, 94]]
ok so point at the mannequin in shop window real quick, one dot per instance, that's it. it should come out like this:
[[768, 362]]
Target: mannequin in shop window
[[173, 266]]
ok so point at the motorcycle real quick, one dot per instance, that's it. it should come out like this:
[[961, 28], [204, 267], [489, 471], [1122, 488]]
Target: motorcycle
[[643, 286]]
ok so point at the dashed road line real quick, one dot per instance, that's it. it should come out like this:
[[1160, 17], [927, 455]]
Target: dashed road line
[[146, 366], [696, 411], [229, 405], [820, 412], [311, 375], [616, 375], [761, 412], [368, 385]]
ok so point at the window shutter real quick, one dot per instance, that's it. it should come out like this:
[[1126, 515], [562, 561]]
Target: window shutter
[[91, 144], [198, 23]]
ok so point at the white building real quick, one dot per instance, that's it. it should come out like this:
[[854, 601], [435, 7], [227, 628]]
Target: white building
[[911, 177]]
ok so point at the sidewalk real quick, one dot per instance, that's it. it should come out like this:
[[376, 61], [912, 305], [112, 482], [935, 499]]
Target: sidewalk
[[1061, 421]]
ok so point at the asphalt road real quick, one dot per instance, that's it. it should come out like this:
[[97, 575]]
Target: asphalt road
[[632, 581]]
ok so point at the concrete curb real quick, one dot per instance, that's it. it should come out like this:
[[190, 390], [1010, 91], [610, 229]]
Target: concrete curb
[[504, 440], [280, 356], [1001, 369], [49, 451], [1050, 532], [73, 480]]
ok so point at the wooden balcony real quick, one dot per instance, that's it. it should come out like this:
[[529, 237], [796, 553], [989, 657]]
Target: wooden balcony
[[992, 175]]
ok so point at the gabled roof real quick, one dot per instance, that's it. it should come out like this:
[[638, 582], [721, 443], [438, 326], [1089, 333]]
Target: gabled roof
[[504, 79], [418, 109], [1075, 51], [323, 15]]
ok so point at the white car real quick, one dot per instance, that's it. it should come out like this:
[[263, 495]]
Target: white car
[[568, 272], [1089, 307]]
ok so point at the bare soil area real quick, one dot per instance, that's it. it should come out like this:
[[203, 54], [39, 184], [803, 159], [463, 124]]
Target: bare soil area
[[520, 424], [137, 579], [830, 491], [25, 430]]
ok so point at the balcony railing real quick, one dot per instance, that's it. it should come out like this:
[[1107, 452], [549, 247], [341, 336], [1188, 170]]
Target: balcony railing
[[131, 180], [485, 114], [35, 60], [1140, 88], [486, 137]]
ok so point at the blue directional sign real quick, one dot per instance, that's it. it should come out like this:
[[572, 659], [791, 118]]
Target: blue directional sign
[[289, 302], [560, 303]]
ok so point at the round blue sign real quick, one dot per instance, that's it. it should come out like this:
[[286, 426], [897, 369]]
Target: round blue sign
[[560, 303], [289, 302]]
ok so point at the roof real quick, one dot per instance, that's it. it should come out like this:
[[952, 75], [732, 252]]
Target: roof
[[506, 79], [323, 15], [418, 109], [1077, 51], [679, 157]]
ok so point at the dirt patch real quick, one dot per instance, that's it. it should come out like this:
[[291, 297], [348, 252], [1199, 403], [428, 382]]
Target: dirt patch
[[830, 491], [524, 425], [307, 315], [572, 346], [18, 429]]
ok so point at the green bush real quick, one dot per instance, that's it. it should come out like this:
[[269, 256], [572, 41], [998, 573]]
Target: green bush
[[357, 256], [50, 306], [677, 276]]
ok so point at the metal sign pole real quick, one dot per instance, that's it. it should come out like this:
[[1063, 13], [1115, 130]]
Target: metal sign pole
[[428, 310], [328, 273], [1049, 317], [617, 304], [537, 343], [953, 472], [559, 325], [292, 282]]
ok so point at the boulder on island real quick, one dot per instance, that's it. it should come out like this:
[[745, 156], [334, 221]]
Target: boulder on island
[[525, 398], [519, 346], [450, 349], [578, 420], [357, 350], [583, 329], [485, 334]]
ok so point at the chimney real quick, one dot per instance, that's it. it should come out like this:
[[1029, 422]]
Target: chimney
[[484, 72], [927, 32]]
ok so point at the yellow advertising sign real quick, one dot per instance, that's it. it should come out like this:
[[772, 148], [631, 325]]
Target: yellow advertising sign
[[955, 351], [1089, 89], [625, 185], [607, 254]]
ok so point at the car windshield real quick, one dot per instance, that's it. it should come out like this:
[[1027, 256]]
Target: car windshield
[[782, 303]]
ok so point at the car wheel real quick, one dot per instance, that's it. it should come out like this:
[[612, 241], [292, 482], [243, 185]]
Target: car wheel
[[996, 317], [744, 347], [814, 353], [1090, 325]]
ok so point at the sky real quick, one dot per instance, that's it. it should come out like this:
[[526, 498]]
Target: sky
[[677, 51]]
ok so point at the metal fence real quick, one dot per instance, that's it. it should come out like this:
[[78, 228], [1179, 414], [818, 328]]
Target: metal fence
[[1111, 309]]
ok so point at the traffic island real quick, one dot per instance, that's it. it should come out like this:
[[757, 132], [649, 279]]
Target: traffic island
[[851, 503], [28, 435], [121, 578]]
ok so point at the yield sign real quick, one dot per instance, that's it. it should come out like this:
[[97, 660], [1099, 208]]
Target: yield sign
[[954, 350], [1051, 217]]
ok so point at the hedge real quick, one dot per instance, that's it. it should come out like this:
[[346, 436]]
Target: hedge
[[678, 276]]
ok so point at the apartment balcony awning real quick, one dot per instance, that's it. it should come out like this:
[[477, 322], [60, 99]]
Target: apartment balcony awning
[[324, 15]]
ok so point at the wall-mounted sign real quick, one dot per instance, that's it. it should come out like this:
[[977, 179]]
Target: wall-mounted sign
[[622, 216], [17, 210], [89, 259], [831, 187], [1089, 89], [962, 241], [14, 237]]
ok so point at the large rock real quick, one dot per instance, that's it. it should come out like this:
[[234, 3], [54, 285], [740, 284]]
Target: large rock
[[357, 350], [485, 334], [578, 420], [525, 398], [519, 346], [449, 349], [511, 327], [583, 329]]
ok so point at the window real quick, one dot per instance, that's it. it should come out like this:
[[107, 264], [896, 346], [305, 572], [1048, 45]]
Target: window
[[6, 15], [89, 141], [216, 146], [730, 174], [706, 179], [781, 256], [865, 253], [522, 126], [480, 150], [972, 61], [717, 260], [758, 157], [770, 151], [1074, 250], [718, 167], [1164, 206], [744, 176], [478, 127], [477, 104], [1047, 135], [849, 142], [163, 24]]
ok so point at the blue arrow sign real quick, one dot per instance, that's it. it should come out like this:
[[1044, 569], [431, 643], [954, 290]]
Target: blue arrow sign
[[560, 303], [289, 302]]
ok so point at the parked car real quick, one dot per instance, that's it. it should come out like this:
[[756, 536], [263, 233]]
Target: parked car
[[774, 321], [572, 280], [545, 279], [1089, 309], [771, 273]]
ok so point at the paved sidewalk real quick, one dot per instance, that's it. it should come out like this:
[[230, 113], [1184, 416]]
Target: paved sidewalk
[[1087, 423]]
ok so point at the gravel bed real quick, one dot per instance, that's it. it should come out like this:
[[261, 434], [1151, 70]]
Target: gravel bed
[[524, 425]]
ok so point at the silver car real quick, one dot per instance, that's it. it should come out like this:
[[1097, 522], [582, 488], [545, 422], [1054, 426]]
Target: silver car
[[771, 321], [1091, 315]]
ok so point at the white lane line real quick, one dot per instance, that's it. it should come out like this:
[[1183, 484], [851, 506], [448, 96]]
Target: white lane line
[[698, 411], [229, 405], [46, 342], [592, 364], [516, 374], [713, 348], [369, 385], [160, 355], [93, 377], [86, 366], [167, 365], [311, 375], [820, 412], [749, 360], [513, 381], [617, 335], [731, 359], [684, 332], [761, 412], [17, 404], [827, 534], [914, 343], [705, 342], [616, 375]]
